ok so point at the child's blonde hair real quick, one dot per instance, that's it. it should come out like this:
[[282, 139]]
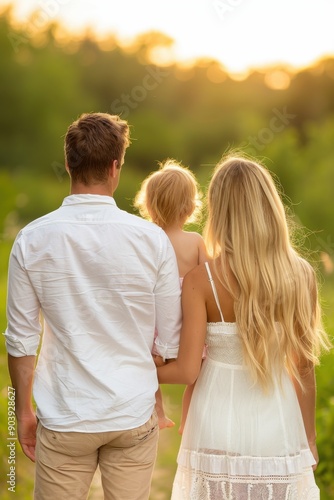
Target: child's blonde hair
[[276, 305], [169, 195]]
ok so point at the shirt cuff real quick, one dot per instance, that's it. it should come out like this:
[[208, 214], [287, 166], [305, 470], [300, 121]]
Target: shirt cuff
[[16, 348], [165, 351]]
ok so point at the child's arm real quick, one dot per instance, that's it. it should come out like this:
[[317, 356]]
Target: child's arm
[[164, 421]]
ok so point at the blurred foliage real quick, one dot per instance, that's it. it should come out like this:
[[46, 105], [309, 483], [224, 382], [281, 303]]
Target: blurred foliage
[[193, 114]]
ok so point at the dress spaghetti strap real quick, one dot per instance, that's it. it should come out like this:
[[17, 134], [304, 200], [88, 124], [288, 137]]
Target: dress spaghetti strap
[[213, 286]]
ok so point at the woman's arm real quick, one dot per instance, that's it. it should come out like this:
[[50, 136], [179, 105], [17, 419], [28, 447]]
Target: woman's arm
[[185, 369], [307, 394], [307, 403]]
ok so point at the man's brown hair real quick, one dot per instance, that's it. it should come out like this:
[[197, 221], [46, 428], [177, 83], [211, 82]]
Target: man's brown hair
[[92, 143]]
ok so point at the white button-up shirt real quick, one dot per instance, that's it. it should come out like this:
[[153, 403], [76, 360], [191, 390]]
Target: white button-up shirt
[[103, 280]]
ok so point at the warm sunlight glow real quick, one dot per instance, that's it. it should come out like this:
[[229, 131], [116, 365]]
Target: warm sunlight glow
[[162, 56], [215, 73], [277, 79], [239, 34]]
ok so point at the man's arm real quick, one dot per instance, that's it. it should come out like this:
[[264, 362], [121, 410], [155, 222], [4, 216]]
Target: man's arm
[[21, 372], [22, 340], [168, 305]]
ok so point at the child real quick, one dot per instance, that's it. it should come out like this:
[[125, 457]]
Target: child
[[170, 197]]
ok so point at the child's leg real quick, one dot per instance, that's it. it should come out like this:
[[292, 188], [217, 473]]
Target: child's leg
[[163, 420], [185, 405]]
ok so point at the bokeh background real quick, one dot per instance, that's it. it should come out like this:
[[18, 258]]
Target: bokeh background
[[194, 79]]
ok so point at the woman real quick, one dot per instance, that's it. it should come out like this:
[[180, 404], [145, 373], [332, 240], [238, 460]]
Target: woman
[[250, 431]]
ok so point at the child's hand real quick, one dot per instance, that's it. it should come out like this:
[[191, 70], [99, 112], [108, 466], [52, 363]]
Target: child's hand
[[158, 361]]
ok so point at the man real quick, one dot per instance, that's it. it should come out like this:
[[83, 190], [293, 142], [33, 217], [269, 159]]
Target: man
[[103, 280]]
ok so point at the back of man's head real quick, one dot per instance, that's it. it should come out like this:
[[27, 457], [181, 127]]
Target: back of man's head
[[92, 143]]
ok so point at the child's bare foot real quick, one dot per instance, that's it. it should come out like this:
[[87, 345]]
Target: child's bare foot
[[165, 422]]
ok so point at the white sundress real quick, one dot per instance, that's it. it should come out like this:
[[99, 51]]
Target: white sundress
[[238, 442]]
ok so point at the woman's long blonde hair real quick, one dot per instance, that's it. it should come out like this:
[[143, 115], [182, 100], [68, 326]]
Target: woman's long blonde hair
[[276, 305]]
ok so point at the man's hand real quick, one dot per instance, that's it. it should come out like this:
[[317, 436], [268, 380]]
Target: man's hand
[[158, 360], [26, 429]]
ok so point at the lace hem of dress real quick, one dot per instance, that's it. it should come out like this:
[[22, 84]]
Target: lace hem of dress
[[202, 486], [219, 462]]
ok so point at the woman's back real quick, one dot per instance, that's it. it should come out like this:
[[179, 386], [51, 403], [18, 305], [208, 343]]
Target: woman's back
[[236, 434]]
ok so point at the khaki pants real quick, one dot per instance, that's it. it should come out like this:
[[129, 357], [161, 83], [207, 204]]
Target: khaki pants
[[66, 462]]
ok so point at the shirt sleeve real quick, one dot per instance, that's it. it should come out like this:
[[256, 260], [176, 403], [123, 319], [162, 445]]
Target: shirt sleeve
[[168, 304], [23, 308]]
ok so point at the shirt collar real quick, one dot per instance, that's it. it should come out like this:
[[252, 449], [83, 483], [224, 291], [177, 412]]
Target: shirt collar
[[84, 199]]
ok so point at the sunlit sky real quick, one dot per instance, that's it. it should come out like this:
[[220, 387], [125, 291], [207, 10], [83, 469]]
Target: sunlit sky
[[241, 34]]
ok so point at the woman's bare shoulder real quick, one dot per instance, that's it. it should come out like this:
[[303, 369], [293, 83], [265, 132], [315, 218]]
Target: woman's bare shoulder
[[197, 274]]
